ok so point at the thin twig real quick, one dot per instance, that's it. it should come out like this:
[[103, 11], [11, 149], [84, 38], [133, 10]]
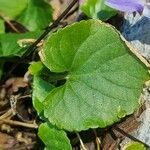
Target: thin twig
[[71, 12], [45, 33], [2, 112], [81, 142], [98, 141], [130, 136], [18, 123], [10, 24], [25, 96], [6, 114]]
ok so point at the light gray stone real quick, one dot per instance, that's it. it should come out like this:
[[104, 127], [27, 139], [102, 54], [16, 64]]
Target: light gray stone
[[136, 29]]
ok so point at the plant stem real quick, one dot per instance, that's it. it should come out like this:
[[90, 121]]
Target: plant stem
[[81, 142], [98, 141]]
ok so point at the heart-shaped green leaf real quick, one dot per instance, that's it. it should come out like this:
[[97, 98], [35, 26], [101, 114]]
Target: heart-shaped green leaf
[[53, 138], [41, 89], [2, 26], [36, 16], [104, 80]]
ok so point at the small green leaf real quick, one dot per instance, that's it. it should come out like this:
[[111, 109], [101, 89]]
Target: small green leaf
[[41, 89], [9, 45], [104, 76], [134, 146], [35, 68], [53, 138], [2, 26], [97, 9], [37, 15], [12, 8]]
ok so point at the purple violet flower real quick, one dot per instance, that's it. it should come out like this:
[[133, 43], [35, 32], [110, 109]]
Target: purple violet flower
[[126, 5], [130, 6], [141, 6]]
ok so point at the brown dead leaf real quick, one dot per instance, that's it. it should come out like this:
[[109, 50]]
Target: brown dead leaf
[[23, 139], [129, 125], [7, 141], [3, 100], [15, 83]]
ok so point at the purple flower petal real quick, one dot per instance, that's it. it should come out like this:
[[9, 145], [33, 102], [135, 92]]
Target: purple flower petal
[[126, 5]]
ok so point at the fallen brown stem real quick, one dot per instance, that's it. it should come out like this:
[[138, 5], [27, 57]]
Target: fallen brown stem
[[6, 114], [10, 24], [18, 123]]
